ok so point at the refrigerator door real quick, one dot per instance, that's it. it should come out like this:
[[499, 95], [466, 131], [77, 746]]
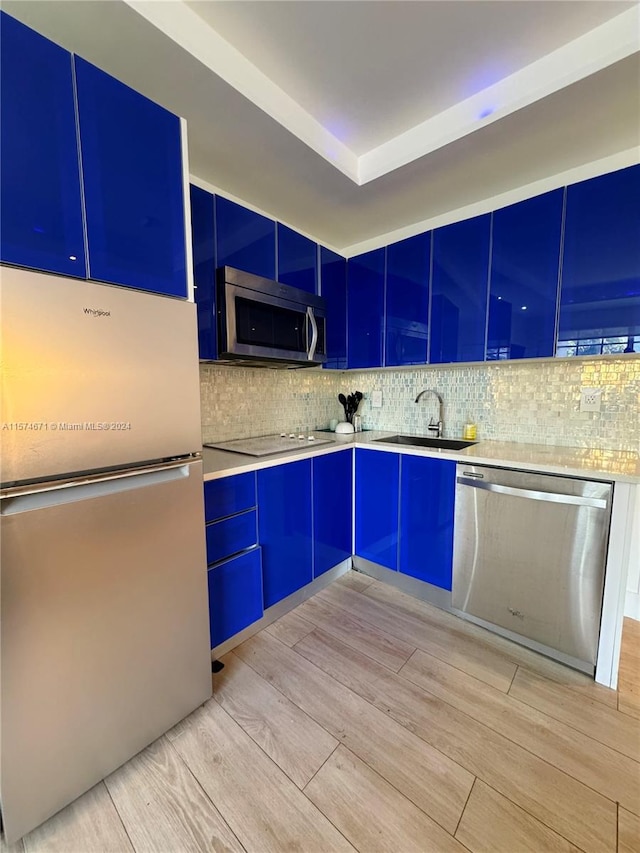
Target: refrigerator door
[[104, 631], [93, 377]]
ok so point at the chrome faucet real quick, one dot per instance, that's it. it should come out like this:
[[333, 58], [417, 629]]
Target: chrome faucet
[[433, 426]]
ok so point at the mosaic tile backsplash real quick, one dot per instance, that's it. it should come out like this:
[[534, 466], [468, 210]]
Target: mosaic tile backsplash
[[533, 402]]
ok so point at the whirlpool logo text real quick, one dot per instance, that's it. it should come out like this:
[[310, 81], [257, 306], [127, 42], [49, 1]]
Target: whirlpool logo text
[[97, 312]]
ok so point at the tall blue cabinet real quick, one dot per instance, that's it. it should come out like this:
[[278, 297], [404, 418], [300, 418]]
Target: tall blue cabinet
[[92, 171], [133, 184], [41, 223]]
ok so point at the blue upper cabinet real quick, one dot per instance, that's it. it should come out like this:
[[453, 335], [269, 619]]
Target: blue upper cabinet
[[376, 506], [332, 504], [133, 182], [297, 260], [204, 270], [459, 290], [285, 529], [333, 277], [407, 300], [365, 309], [40, 201], [244, 239], [600, 296], [525, 264]]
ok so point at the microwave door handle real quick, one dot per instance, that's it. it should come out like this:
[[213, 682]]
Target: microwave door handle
[[314, 333]]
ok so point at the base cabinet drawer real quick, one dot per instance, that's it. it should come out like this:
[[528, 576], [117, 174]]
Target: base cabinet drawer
[[235, 595], [229, 496], [231, 535]]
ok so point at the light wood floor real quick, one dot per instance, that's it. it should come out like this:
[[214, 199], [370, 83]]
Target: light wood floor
[[367, 720]]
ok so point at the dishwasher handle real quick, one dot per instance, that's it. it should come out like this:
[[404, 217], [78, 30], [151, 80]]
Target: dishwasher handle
[[531, 494]]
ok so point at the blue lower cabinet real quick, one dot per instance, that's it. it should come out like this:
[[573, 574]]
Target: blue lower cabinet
[[285, 529], [204, 270], [235, 595], [231, 535], [229, 495], [427, 494], [332, 504], [40, 203], [376, 511]]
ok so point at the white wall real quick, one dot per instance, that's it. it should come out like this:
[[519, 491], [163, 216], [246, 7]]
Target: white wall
[[632, 600]]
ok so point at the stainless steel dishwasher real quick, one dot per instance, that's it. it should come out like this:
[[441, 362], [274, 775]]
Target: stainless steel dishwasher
[[529, 558]]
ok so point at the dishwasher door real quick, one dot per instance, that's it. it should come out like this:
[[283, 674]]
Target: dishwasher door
[[529, 557]]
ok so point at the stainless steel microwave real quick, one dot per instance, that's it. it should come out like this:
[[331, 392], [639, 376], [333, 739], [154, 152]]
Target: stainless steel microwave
[[262, 323]]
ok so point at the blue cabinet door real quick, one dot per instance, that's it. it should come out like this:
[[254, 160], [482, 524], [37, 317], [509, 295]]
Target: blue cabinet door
[[525, 267], [204, 270], [284, 529], [407, 300], [600, 294], [235, 595], [376, 510], [40, 202], [333, 278], [297, 260], [365, 309], [459, 286], [332, 505], [427, 494], [133, 183], [244, 239]]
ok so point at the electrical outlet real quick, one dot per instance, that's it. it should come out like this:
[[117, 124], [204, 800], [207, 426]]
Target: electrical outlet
[[376, 399], [590, 399]]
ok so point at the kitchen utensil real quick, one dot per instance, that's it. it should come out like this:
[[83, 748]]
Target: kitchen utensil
[[343, 400]]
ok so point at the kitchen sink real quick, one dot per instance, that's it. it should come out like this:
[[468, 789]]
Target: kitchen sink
[[426, 441]]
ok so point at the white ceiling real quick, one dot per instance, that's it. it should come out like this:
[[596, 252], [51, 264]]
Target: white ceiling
[[358, 121], [369, 71]]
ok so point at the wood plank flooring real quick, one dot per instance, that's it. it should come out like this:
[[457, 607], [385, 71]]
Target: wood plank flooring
[[367, 720]]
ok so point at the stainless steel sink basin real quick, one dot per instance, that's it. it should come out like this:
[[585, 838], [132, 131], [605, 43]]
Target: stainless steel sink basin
[[425, 441]]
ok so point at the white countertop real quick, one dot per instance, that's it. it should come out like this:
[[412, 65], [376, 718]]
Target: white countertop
[[610, 465]]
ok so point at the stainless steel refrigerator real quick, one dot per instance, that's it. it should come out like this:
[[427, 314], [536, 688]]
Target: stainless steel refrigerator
[[104, 609]]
